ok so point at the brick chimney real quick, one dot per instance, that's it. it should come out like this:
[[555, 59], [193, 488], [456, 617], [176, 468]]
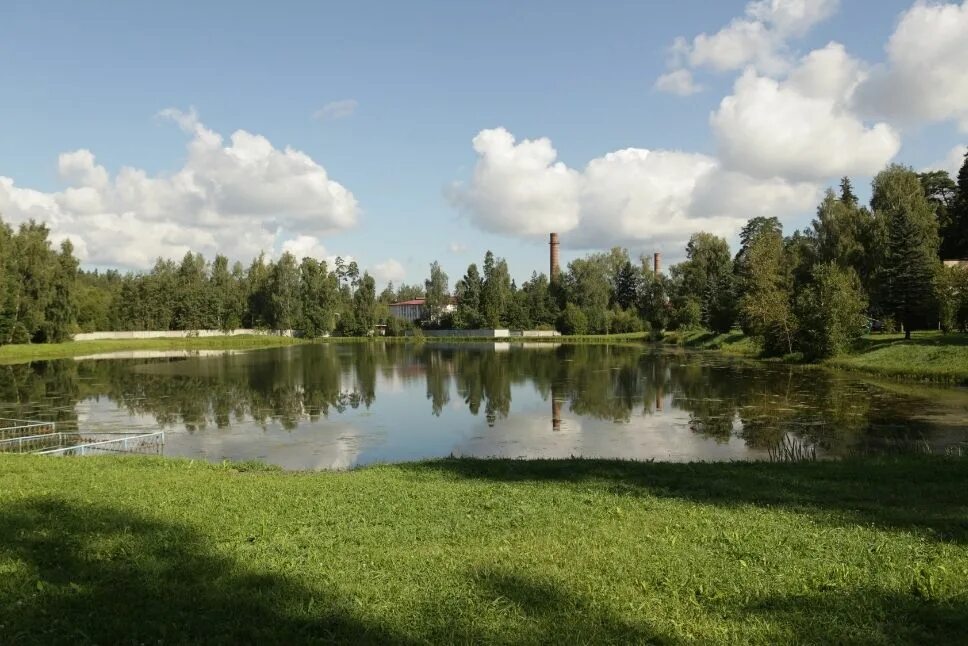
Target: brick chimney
[[657, 263], [554, 267]]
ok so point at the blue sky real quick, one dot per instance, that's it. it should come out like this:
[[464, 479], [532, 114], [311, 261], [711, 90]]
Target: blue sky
[[425, 79]]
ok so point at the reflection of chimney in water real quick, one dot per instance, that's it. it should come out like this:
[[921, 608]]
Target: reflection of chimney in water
[[658, 398], [555, 412]]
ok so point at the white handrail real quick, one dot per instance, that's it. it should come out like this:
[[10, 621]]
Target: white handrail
[[82, 449]]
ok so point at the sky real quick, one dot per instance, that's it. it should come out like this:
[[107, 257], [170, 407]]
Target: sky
[[402, 133]]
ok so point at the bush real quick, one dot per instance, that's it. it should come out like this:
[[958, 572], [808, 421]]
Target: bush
[[831, 311], [19, 334], [952, 297], [398, 327], [687, 315], [573, 321], [625, 322]]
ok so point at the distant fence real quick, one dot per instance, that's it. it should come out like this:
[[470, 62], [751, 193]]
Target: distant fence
[[14, 428], [43, 438], [147, 443], [536, 334], [491, 333], [181, 334], [33, 443], [479, 334]]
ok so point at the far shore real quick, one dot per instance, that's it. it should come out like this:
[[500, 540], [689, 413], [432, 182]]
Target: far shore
[[929, 356]]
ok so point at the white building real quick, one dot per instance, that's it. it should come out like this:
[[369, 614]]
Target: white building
[[413, 310]]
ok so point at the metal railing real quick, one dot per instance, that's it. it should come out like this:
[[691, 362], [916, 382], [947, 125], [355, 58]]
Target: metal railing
[[30, 443], [147, 443], [13, 428]]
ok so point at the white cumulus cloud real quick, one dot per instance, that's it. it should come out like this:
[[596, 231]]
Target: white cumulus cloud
[[631, 197], [521, 186], [390, 270], [952, 162], [236, 197], [337, 109], [678, 82], [759, 38], [801, 128], [926, 75], [303, 246]]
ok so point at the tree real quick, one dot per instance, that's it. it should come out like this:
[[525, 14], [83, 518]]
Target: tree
[[539, 301], [941, 192], [839, 231], [912, 245], [589, 284], [469, 289], [9, 287], [952, 295], [573, 321], [225, 295], [32, 279], [319, 296], [495, 292], [703, 275], [437, 291], [364, 301], [765, 308], [258, 280], [831, 311], [409, 292], [654, 301], [955, 233], [61, 315], [286, 287], [627, 284], [192, 299], [847, 196]]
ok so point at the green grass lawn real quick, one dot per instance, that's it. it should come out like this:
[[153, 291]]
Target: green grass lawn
[[44, 351], [930, 356], [927, 356], [140, 550], [730, 342]]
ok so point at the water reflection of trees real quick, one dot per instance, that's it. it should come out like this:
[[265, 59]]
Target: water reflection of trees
[[762, 405]]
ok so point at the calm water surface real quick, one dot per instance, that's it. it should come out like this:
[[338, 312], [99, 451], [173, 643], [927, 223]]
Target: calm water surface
[[335, 406]]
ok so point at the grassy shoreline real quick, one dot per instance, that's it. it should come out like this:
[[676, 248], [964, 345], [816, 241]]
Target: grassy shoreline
[[24, 353], [928, 356], [45, 351], [137, 550]]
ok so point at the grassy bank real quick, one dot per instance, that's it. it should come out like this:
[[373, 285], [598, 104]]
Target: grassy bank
[[461, 551], [44, 351], [729, 342], [928, 356]]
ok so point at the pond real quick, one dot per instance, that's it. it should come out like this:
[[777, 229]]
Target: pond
[[326, 406]]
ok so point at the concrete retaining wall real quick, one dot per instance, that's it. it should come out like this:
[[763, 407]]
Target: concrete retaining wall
[[490, 334], [179, 334]]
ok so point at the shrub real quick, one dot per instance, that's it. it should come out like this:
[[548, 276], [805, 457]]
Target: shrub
[[831, 311], [625, 322], [573, 321], [952, 297], [687, 315]]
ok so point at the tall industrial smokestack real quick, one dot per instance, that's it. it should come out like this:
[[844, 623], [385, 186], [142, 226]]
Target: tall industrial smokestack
[[657, 263], [554, 268]]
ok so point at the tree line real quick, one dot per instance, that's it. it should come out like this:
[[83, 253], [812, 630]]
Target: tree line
[[855, 268], [813, 291]]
